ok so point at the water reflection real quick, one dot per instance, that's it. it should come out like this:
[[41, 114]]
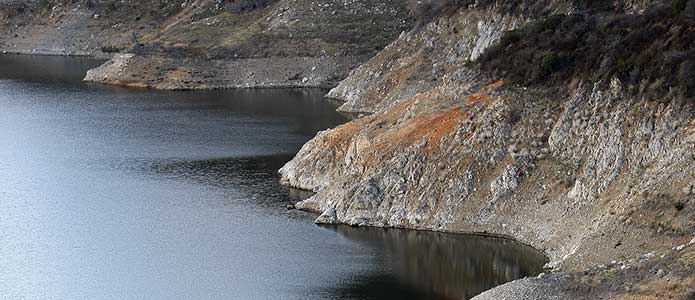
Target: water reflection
[[254, 175], [53, 69], [410, 264], [109, 193], [448, 266]]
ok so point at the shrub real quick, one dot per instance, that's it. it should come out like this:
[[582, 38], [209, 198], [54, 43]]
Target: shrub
[[679, 6], [654, 50], [111, 48], [686, 75], [680, 205], [242, 6], [594, 5], [45, 5], [425, 11]]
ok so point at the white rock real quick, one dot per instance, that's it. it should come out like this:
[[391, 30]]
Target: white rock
[[513, 148], [327, 217]]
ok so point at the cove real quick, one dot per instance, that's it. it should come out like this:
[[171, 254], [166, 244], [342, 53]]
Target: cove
[[109, 193]]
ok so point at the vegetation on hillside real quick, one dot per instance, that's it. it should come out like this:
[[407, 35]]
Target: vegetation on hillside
[[653, 52], [241, 6], [261, 29], [427, 10]]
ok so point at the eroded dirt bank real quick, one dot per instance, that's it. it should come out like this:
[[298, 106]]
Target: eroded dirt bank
[[470, 129]]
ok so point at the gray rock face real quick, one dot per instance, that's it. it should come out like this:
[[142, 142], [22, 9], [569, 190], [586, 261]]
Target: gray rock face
[[527, 289], [327, 217], [506, 183], [584, 174], [411, 64]]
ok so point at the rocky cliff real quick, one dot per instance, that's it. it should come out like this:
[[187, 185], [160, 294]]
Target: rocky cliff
[[468, 127]]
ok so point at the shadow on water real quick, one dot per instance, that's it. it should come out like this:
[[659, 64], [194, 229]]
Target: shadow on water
[[156, 190], [308, 106], [417, 264], [49, 69], [432, 265], [255, 175]]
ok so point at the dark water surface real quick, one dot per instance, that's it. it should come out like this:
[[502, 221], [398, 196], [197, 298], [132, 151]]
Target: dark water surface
[[107, 193]]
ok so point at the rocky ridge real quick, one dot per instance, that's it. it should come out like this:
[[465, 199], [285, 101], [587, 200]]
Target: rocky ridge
[[588, 172]]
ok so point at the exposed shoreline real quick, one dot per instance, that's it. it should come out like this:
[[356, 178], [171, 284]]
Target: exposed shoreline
[[597, 178], [195, 74]]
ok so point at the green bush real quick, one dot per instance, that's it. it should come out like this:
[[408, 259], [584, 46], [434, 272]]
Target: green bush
[[111, 49], [653, 50], [679, 6], [45, 5], [242, 6], [425, 11]]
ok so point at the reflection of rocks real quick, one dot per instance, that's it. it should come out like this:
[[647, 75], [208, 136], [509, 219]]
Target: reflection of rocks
[[448, 265], [297, 195], [587, 173]]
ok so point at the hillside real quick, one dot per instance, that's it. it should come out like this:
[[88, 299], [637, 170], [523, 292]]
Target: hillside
[[207, 44], [567, 126]]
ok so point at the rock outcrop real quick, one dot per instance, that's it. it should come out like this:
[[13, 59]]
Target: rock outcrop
[[588, 172], [465, 125]]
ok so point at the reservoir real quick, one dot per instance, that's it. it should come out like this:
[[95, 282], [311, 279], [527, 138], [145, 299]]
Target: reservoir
[[110, 193]]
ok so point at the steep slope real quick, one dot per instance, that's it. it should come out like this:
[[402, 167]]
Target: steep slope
[[88, 27], [287, 43], [204, 44], [589, 167]]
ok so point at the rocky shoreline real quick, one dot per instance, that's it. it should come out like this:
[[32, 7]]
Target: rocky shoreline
[[179, 45], [194, 74], [596, 176]]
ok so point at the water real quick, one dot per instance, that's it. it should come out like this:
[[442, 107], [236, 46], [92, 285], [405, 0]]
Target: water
[[107, 193]]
